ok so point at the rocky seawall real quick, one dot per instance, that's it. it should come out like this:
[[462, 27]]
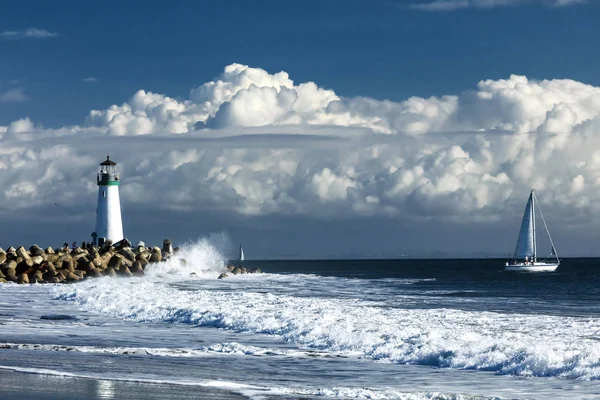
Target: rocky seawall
[[36, 265]]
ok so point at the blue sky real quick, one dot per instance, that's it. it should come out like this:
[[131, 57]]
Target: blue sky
[[411, 127], [381, 48]]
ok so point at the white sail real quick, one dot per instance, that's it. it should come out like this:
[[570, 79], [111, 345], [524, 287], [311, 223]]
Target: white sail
[[241, 253], [526, 241]]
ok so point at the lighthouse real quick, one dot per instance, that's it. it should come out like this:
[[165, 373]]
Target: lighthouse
[[108, 214]]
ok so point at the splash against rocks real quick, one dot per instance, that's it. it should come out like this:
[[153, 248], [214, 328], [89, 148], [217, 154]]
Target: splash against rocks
[[37, 265]]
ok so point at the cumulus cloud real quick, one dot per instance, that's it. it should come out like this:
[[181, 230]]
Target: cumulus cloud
[[31, 33], [451, 5], [254, 143], [90, 79]]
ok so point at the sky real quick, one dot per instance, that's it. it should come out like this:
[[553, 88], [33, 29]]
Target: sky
[[304, 129]]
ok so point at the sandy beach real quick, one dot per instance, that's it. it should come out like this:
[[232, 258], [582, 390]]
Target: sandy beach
[[20, 386]]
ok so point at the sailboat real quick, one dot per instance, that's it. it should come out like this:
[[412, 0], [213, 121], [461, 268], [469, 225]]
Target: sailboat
[[241, 253], [525, 256]]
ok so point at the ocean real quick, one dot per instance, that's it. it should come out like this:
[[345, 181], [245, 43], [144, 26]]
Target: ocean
[[339, 329]]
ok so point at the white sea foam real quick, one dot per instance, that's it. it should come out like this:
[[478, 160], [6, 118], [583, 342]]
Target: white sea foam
[[263, 392], [524, 345], [231, 348]]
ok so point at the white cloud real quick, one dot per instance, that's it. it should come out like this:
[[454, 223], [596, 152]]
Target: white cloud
[[15, 95], [451, 5], [255, 143], [33, 33], [90, 79]]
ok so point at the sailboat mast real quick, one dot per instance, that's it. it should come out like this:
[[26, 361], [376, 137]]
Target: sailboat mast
[[533, 223]]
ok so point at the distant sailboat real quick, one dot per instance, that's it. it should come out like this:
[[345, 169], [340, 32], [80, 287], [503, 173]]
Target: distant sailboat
[[241, 253], [525, 256]]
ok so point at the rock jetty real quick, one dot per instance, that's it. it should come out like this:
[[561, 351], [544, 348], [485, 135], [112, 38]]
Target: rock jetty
[[240, 269], [36, 265]]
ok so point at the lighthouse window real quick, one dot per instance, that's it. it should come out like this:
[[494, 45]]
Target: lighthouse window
[[104, 193]]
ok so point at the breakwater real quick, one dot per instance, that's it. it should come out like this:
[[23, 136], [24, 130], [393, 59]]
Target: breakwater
[[37, 265]]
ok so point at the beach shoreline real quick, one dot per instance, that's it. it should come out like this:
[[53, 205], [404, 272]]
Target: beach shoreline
[[15, 385]]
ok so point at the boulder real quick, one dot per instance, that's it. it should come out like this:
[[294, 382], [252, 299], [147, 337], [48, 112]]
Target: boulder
[[67, 263], [106, 257], [143, 255], [110, 272], [127, 253], [83, 263], [36, 250], [94, 272], [79, 253], [236, 271], [124, 260], [25, 267], [115, 262], [124, 271], [21, 252], [230, 268], [93, 253], [64, 272], [49, 275], [156, 255], [2, 257], [37, 260], [9, 265], [23, 278], [97, 262], [143, 262], [167, 246], [9, 273], [73, 277], [223, 275], [79, 273], [36, 277], [53, 257], [58, 263], [122, 244], [137, 269], [11, 252], [49, 250]]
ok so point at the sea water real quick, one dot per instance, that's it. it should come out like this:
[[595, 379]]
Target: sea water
[[376, 329]]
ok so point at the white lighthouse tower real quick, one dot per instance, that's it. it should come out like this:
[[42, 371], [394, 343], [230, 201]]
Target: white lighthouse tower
[[108, 214]]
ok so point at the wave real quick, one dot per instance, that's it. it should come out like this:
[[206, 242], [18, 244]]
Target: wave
[[291, 309], [514, 344], [230, 348], [262, 392]]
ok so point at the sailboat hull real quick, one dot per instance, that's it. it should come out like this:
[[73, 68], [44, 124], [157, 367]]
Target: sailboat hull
[[539, 267]]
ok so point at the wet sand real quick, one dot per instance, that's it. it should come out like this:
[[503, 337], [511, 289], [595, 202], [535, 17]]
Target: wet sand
[[21, 386]]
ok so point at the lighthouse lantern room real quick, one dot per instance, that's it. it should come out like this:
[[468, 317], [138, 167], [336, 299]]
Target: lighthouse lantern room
[[108, 213]]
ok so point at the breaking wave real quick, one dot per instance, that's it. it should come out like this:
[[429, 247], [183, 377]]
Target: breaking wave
[[512, 344]]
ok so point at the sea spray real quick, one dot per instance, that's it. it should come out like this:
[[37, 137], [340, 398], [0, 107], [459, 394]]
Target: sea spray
[[200, 259]]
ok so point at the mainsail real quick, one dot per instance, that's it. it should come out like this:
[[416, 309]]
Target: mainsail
[[526, 241], [241, 253]]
